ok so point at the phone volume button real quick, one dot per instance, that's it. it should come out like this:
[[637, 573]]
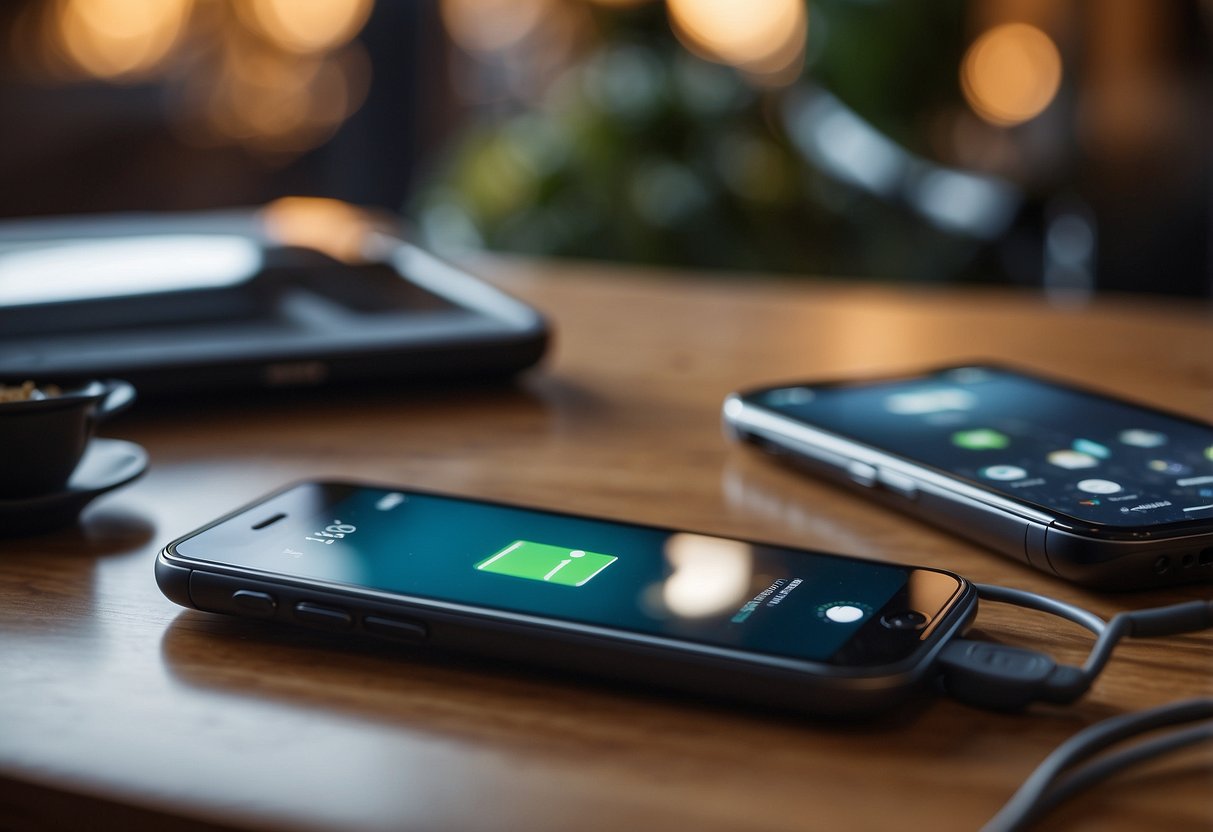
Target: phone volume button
[[254, 603], [395, 628], [862, 473], [898, 483], [331, 617]]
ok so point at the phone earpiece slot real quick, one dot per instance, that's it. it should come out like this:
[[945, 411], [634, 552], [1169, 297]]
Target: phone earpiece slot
[[269, 521]]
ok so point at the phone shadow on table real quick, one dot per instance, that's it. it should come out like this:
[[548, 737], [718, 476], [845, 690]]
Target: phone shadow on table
[[473, 697]]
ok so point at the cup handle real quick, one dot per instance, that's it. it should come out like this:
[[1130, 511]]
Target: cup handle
[[120, 396]]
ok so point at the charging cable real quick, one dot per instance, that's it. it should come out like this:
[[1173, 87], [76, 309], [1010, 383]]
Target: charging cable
[[1006, 678], [1062, 774]]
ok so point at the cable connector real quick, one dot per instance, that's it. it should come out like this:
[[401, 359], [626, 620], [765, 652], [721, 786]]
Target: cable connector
[[1005, 678], [996, 676]]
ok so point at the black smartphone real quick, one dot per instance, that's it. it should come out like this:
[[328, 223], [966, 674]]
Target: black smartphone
[[721, 618], [1097, 490]]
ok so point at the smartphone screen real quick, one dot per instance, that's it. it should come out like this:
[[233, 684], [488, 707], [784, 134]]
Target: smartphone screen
[[488, 557], [1091, 458]]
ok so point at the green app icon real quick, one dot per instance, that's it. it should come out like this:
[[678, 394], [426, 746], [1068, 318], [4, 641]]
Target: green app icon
[[542, 562], [981, 439]]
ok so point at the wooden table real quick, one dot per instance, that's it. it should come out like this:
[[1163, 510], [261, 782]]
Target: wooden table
[[119, 709]]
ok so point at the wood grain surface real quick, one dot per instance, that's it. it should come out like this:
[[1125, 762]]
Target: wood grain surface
[[121, 710]]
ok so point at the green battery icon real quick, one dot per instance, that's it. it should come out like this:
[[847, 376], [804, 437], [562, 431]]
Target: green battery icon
[[543, 562]]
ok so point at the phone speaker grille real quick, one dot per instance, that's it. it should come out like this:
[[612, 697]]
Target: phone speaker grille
[[269, 521]]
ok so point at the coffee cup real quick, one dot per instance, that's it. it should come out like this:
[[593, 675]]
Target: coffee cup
[[42, 439]]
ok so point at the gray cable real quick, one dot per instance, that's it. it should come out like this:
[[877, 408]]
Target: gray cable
[[1042, 603], [1042, 791], [1069, 768], [1106, 766], [1069, 686]]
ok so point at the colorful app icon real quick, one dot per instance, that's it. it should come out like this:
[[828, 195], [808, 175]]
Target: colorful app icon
[[1093, 501], [980, 439], [921, 402], [543, 562], [1003, 473], [1086, 446], [1099, 486], [1209, 453], [1203, 479], [1072, 460], [786, 396], [1140, 438]]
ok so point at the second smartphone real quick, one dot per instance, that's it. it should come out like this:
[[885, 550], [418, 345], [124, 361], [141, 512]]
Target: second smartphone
[[1098, 490]]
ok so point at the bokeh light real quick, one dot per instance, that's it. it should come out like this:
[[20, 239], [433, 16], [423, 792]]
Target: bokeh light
[[487, 26], [766, 40], [273, 76], [308, 25], [336, 228], [279, 102], [1011, 74], [119, 38]]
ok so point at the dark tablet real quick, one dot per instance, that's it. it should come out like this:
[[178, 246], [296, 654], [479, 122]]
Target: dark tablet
[[302, 294]]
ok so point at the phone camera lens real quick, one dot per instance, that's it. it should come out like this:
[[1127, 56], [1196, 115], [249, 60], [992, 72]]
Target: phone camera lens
[[905, 620]]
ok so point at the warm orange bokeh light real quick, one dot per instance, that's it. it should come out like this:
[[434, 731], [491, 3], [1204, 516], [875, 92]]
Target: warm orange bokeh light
[[263, 95], [331, 226], [309, 25], [283, 103], [117, 38], [1011, 73], [766, 40], [275, 76], [492, 25]]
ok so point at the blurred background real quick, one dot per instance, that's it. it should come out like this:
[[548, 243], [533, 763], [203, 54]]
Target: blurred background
[[1060, 145]]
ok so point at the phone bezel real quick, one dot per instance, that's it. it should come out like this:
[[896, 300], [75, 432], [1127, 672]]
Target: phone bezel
[[845, 446]]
